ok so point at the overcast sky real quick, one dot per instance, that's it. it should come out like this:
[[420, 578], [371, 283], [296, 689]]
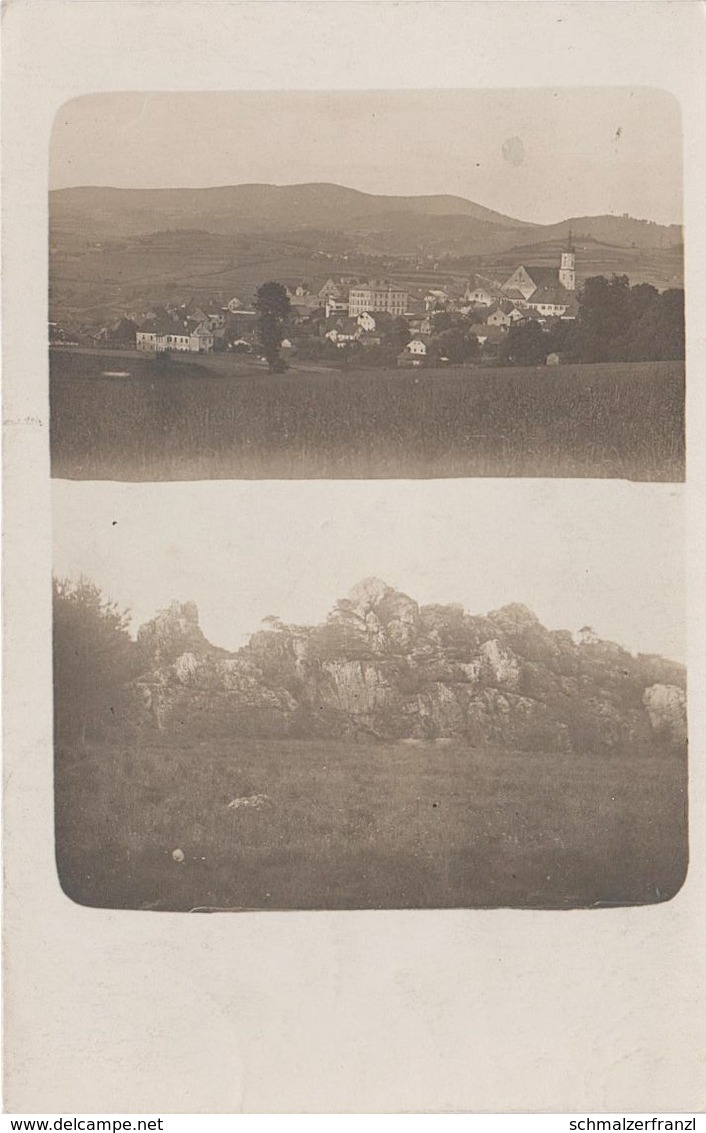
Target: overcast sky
[[539, 155], [603, 553]]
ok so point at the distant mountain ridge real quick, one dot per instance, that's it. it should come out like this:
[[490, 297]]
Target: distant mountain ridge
[[317, 202], [113, 213]]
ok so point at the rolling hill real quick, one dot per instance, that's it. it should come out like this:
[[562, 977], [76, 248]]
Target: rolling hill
[[119, 213], [237, 208]]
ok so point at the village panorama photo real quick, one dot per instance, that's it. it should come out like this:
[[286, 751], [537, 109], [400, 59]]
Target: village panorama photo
[[465, 693], [370, 284]]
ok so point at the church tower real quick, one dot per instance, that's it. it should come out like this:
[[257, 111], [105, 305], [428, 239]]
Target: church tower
[[567, 271]]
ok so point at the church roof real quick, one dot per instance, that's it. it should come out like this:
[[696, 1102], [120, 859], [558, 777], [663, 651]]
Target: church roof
[[556, 293], [543, 276]]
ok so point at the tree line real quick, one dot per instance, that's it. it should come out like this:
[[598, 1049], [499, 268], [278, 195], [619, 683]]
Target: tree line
[[616, 322]]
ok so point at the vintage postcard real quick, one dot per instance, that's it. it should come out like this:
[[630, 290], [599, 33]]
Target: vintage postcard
[[391, 752], [354, 557]]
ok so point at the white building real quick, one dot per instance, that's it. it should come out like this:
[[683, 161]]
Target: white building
[[377, 297], [158, 336], [366, 321], [479, 296], [335, 307], [417, 347]]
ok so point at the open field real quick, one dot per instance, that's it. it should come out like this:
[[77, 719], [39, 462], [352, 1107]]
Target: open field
[[390, 825], [182, 421]]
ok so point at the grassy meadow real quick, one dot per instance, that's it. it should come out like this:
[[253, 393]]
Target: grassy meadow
[[392, 825], [189, 421]]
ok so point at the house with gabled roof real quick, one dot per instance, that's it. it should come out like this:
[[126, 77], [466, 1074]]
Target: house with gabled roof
[[162, 333], [330, 290], [500, 315], [415, 352], [418, 345], [366, 321], [343, 330], [478, 295], [481, 292], [151, 337], [200, 336]]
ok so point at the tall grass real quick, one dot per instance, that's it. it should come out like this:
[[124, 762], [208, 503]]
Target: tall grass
[[612, 420], [394, 825]]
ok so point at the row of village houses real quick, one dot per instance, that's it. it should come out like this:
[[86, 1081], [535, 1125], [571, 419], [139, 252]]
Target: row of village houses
[[347, 311]]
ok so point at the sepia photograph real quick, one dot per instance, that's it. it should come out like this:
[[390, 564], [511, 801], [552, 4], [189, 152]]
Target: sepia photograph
[[331, 284], [353, 561], [399, 695]]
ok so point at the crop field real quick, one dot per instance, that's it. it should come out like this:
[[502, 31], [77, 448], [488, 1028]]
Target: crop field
[[344, 825], [184, 421]]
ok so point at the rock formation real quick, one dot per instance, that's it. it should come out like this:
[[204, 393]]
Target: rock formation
[[383, 667]]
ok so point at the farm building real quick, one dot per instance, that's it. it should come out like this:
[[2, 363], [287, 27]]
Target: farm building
[[162, 334]]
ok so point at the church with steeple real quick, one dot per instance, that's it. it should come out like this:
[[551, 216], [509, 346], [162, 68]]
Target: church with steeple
[[546, 290]]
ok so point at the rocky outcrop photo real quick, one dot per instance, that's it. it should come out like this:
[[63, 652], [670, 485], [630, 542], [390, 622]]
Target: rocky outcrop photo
[[383, 668], [396, 756]]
